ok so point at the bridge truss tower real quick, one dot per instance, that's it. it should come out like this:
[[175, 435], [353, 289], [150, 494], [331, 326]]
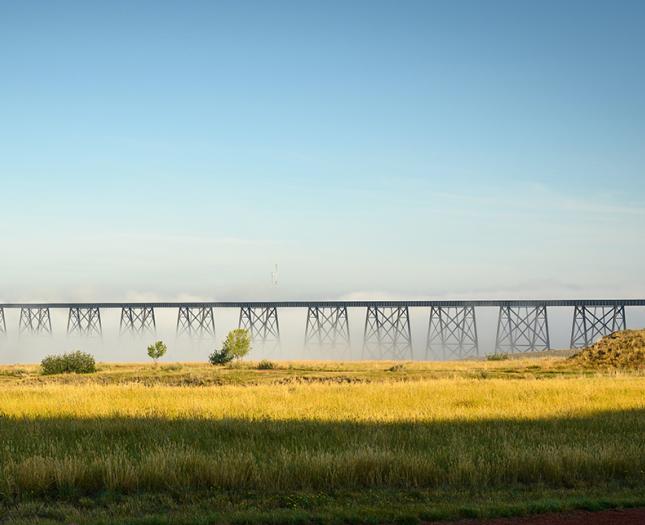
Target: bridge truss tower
[[84, 321], [452, 332], [34, 320], [262, 324], [387, 333], [327, 327], [3, 324], [522, 329], [138, 320], [593, 322], [197, 322]]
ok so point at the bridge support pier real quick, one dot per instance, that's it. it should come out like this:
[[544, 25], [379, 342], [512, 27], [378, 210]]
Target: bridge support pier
[[196, 322], [84, 321], [3, 324], [262, 324], [593, 322], [327, 327], [34, 320], [387, 333], [522, 329], [138, 320], [452, 332]]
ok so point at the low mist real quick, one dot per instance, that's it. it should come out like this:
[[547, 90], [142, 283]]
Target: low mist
[[112, 347]]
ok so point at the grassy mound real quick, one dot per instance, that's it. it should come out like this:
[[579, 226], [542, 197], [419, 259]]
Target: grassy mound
[[625, 350]]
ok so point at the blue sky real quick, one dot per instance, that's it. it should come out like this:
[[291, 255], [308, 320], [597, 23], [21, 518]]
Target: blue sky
[[377, 148]]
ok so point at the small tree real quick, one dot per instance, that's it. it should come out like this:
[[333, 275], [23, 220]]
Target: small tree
[[236, 345], [157, 350]]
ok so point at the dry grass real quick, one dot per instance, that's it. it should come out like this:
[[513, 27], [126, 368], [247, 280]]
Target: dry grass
[[441, 427], [447, 432], [419, 401]]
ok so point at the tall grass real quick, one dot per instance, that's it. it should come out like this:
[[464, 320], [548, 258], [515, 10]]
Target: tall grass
[[459, 433]]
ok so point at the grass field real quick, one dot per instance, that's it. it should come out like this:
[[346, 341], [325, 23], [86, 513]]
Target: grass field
[[318, 442]]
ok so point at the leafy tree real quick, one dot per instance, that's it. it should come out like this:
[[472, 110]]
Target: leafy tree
[[157, 350], [236, 345]]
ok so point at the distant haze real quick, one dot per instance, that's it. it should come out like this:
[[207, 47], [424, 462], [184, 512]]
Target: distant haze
[[112, 347]]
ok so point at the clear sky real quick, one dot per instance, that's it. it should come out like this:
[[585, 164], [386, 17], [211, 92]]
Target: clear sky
[[377, 148]]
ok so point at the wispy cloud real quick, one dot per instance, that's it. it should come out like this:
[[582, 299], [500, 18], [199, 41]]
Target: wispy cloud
[[537, 196], [176, 238]]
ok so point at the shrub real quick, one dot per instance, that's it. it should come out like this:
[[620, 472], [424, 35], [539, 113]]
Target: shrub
[[236, 345], [497, 357], [396, 368], [220, 357], [72, 362], [265, 364], [157, 350]]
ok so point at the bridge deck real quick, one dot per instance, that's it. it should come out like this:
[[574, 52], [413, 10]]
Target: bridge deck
[[337, 304]]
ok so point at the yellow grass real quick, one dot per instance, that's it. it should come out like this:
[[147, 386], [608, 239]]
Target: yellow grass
[[437, 400], [460, 426]]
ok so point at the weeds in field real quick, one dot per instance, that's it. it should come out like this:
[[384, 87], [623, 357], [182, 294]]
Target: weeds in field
[[265, 364], [498, 356], [396, 368]]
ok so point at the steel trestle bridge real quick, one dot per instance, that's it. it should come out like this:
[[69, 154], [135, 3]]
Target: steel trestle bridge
[[522, 325]]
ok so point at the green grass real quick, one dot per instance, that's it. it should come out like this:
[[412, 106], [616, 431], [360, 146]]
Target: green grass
[[338, 507], [318, 442], [84, 457]]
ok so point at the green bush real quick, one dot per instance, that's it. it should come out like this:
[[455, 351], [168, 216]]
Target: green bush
[[497, 357], [265, 364], [220, 357], [72, 362]]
